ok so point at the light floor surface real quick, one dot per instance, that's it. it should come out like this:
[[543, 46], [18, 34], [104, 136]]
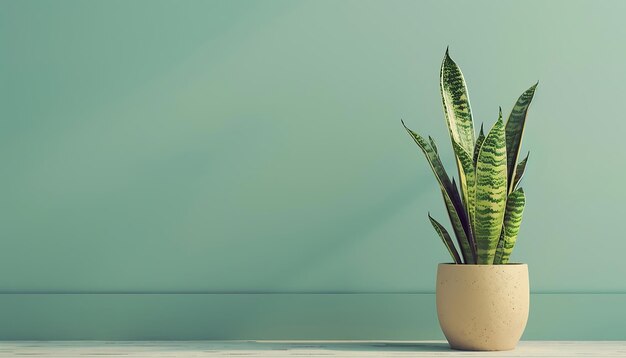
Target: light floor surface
[[299, 349]]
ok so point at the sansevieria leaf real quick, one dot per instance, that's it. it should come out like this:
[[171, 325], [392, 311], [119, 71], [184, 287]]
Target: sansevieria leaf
[[515, 131], [458, 217], [486, 207], [468, 179], [460, 223], [512, 221], [479, 142], [500, 248], [432, 144], [456, 105], [447, 240], [519, 172], [491, 192]]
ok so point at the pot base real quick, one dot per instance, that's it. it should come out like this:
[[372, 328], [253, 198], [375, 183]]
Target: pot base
[[486, 348]]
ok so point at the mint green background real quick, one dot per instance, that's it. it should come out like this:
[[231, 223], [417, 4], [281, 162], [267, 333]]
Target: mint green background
[[256, 146], [371, 316]]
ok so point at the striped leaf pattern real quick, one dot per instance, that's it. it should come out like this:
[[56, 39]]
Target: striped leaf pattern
[[491, 193], [454, 206], [468, 180], [432, 144], [460, 224], [486, 208], [500, 248], [479, 143], [512, 221], [515, 130], [519, 172], [447, 240], [456, 104]]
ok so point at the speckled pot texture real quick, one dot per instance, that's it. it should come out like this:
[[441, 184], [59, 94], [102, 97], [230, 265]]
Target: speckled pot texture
[[483, 307]]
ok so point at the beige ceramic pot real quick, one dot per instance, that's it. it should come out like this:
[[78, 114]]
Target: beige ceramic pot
[[482, 307]]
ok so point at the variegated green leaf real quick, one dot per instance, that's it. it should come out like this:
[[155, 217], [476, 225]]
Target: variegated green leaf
[[433, 158], [519, 172], [456, 212], [460, 223], [512, 221], [456, 105], [479, 143], [491, 192], [445, 237], [432, 144], [515, 130], [500, 248], [468, 180]]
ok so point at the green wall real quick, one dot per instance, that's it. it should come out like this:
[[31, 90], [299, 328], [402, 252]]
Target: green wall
[[256, 146]]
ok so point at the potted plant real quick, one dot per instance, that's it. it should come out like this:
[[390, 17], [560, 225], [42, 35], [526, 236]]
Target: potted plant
[[482, 298]]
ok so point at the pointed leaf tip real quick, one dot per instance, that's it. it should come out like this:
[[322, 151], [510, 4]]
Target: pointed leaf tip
[[405, 127], [515, 130], [491, 185], [456, 104], [447, 240], [531, 90], [447, 59]]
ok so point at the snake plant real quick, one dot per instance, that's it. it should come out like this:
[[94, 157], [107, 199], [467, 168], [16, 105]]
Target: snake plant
[[485, 207]]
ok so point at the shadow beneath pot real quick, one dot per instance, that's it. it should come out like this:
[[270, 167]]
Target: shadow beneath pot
[[227, 348], [353, 346]]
